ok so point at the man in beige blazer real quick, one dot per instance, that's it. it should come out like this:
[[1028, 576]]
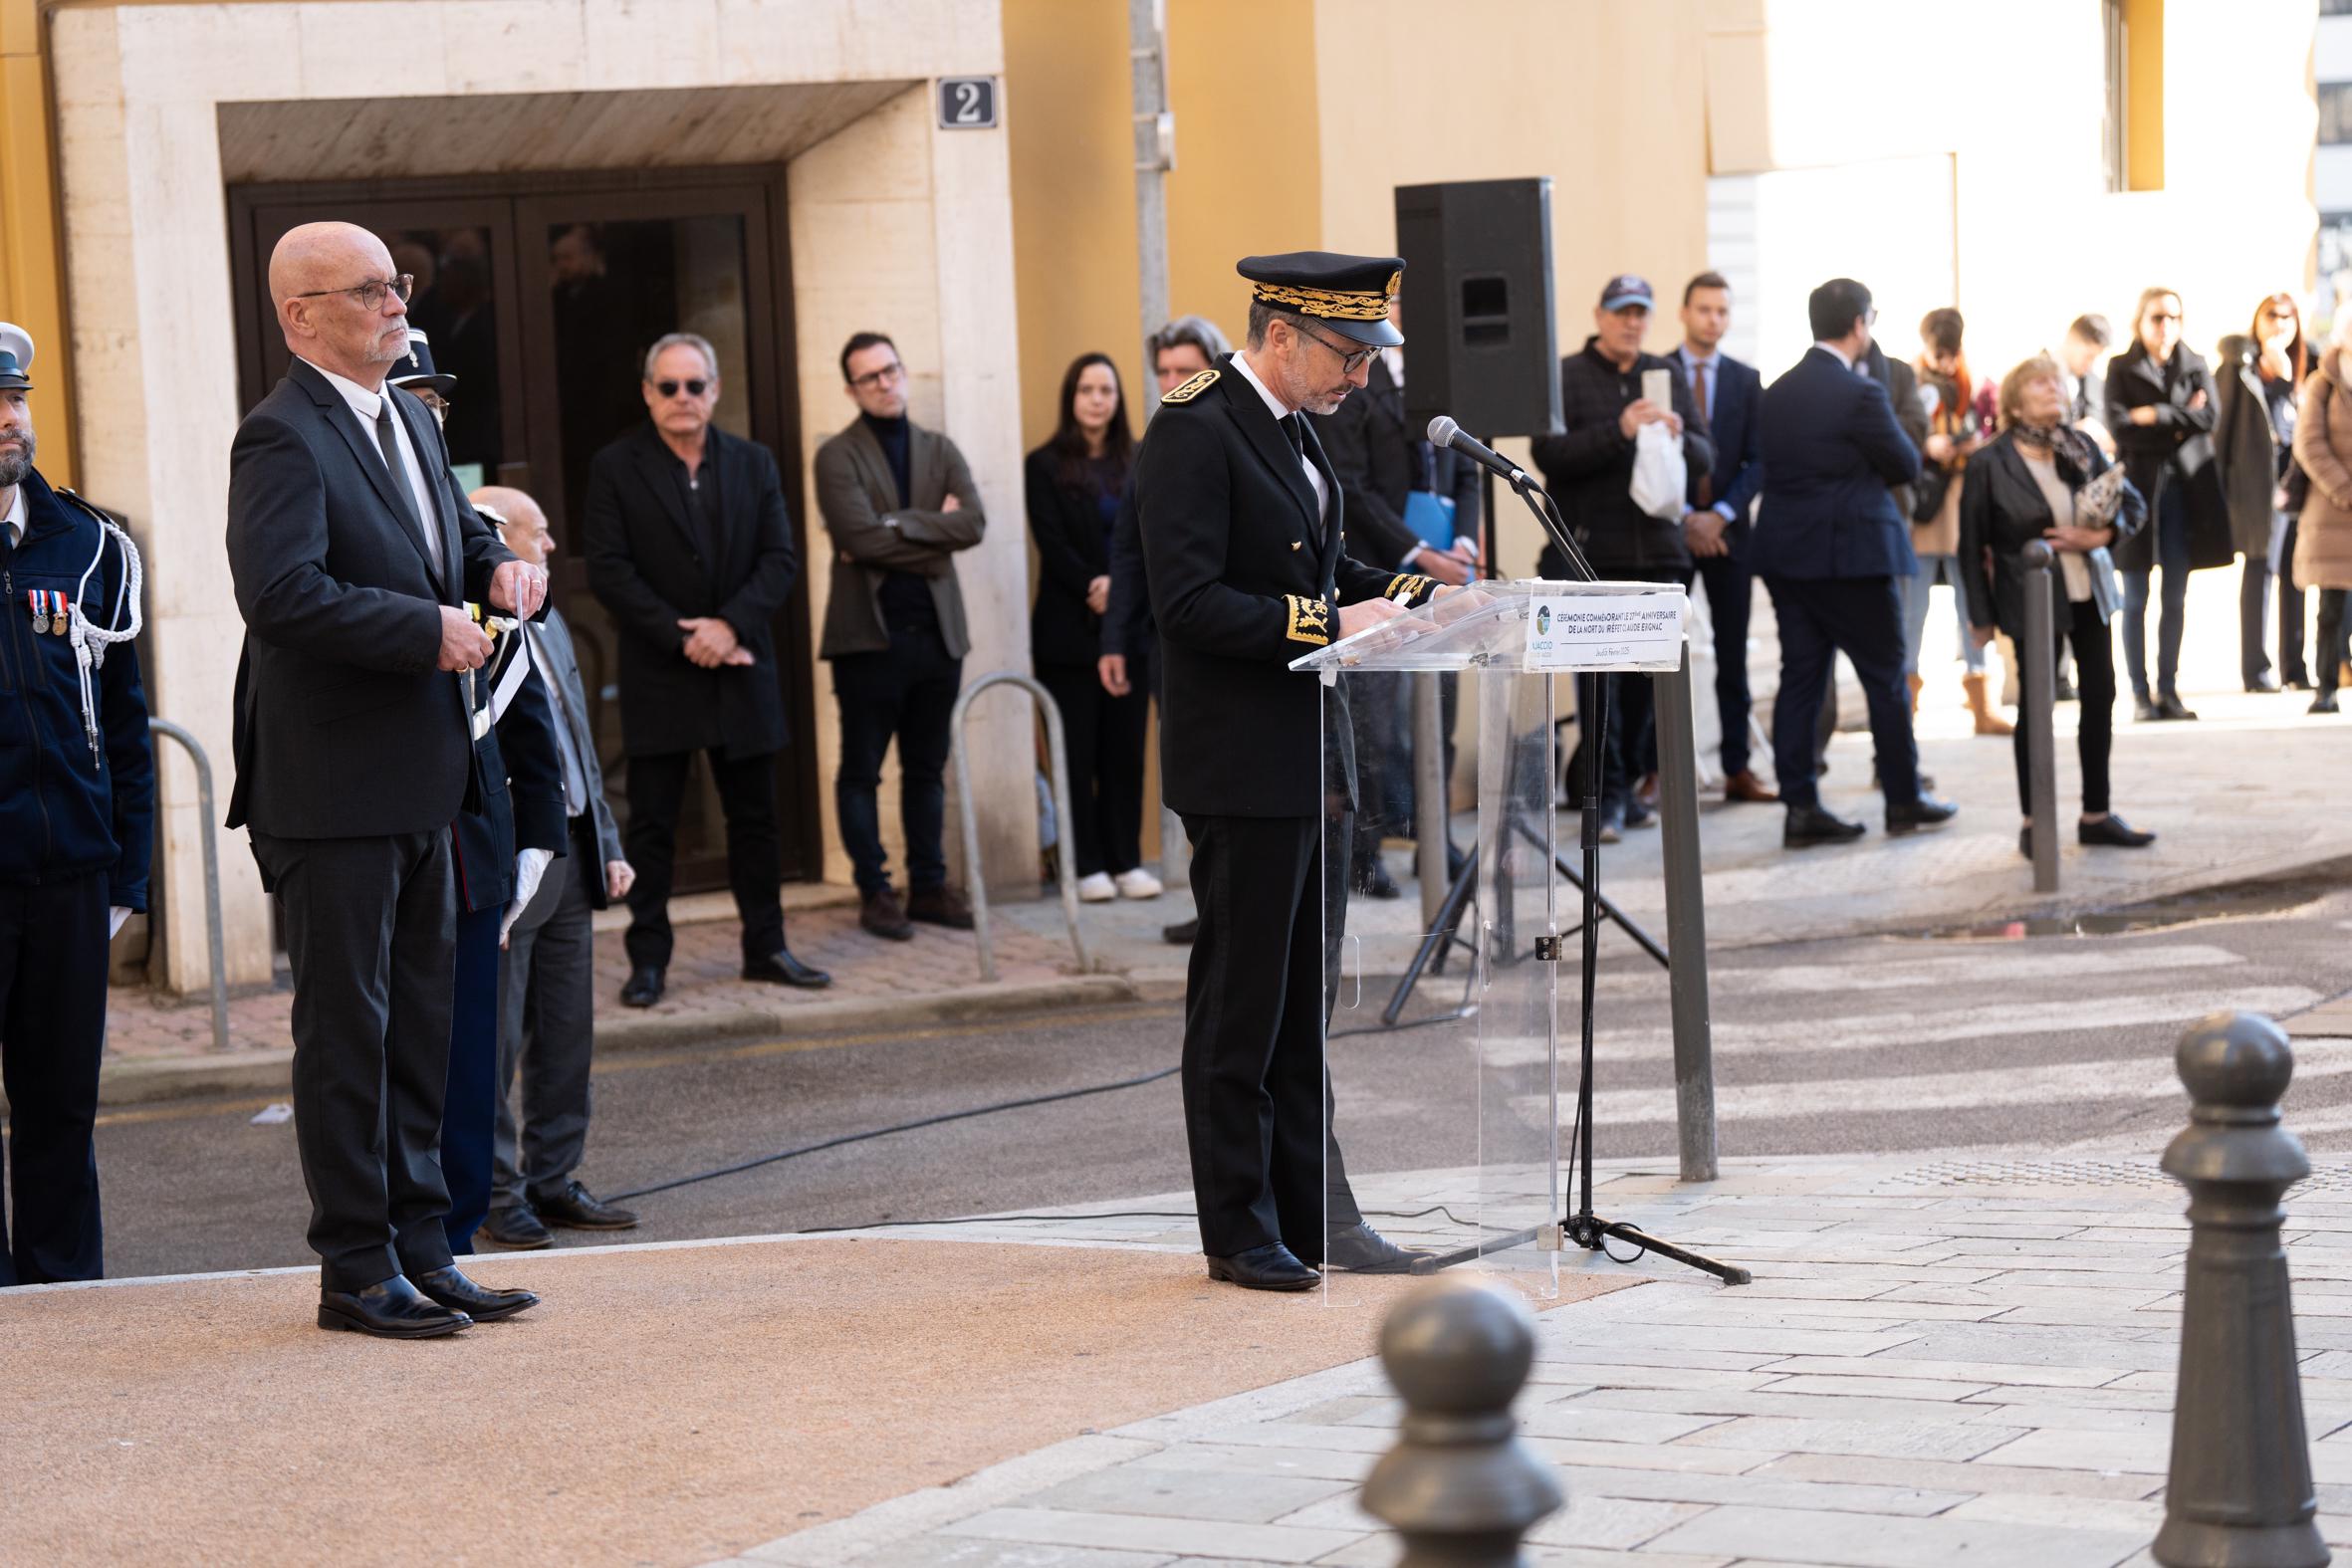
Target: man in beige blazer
[[899, 502]]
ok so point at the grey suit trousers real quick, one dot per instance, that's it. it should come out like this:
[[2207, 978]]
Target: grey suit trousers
[[547, 1028]]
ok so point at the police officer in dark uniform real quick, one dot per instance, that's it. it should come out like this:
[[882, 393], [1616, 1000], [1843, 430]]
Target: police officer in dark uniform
[[501, 845], [76, 827], [1239, 514]]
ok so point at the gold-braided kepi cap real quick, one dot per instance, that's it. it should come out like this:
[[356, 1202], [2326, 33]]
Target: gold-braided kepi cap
[[1349, 294], [16, 359]]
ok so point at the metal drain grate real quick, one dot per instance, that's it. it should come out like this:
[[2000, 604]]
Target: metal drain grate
[[2079, 1173]]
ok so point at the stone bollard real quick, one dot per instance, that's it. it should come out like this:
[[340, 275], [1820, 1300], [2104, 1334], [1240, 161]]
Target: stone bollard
[[2240, 1492], [1459, 1486]]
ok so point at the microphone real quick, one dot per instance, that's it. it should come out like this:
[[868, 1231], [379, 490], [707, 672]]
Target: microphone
[[1443, 431]]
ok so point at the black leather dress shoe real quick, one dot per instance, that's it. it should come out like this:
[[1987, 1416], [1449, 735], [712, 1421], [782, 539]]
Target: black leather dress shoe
[[2025, 840], [2173, 708], [2112, 832], [1808, 826], [2325, 702], [780, 967], [1360, 1249], [479, 1304], [1912, 816], [1377, 883], [1268, 1267], [389, 1309], [518, 1227], [644, 986], [577, 1209], [2262, 683], [2144, 711], [1181, 934]]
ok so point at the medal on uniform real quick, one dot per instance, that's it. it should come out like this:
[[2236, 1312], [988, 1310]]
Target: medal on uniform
[[57, 613], [40, 618]]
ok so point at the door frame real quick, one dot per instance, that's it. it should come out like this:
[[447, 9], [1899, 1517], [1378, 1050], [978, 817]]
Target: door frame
[[509, 204]]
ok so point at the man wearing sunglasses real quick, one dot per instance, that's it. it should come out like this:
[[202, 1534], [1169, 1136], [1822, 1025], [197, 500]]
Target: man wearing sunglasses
[[1240, 514], [690, 550]]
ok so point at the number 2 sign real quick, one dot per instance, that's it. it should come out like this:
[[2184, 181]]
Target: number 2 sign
[[967, 103]]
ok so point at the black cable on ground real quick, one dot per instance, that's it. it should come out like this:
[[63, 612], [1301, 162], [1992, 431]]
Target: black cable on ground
[[884, 1132]]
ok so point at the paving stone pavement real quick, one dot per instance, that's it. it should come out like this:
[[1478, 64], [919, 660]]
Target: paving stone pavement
[[1965, 1359]]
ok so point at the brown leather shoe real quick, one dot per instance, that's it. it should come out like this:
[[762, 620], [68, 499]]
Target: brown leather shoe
[[884, 916], [939, 906], [1745, 786], [1646, 791]]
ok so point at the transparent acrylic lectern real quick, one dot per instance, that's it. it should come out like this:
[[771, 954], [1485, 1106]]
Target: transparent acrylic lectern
[[1445, 1085]]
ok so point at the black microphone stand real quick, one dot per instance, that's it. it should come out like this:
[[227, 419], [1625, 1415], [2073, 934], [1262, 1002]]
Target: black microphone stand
[[1582, 1226]]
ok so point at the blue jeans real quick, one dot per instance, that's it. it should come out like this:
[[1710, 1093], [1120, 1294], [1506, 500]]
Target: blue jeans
[[2171, 554], [1914, 590]]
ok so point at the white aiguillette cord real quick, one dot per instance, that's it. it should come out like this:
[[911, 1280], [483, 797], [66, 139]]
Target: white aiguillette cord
[[91, 641]]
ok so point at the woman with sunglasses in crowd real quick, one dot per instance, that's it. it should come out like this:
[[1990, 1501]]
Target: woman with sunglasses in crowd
[[2260, 375]]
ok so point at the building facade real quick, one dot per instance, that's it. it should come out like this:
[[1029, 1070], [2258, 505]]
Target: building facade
[[776, 174]]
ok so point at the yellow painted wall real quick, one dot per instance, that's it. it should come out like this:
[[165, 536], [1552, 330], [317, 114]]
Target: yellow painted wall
[[31, 275], [1249, 147], [1068, 104]]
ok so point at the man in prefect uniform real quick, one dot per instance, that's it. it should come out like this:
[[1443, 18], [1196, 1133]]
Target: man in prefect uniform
[[1239, 513], [77, 779]]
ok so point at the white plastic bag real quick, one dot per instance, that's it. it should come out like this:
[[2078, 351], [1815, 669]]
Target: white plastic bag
[[1660, 477]]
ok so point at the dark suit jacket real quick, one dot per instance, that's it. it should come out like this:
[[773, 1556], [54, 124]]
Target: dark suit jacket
[[1074, 550], [1128, 629], [1902, 384], [1379, 462], [1831, 447], [2175, 450], [551, 651], [873, 536], [647, 565], [344, 727], [522, 795], [1245, 577], [1733, 391], [2002, 510]]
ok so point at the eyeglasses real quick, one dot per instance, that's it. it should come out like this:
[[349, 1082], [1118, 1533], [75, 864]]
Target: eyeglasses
[[2164, 316], [1349, 363], [882, 377], [371, 293], [694, 388]]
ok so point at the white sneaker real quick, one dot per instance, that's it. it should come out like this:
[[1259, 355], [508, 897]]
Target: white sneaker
[[1139, 883], [1096, 889]]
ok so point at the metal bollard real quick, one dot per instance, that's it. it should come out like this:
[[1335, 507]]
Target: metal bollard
[[1460, 1487], [206, 817], [2239, 1489], [2040, 694], [1685, 926], [1429, 794], [1058, 759]]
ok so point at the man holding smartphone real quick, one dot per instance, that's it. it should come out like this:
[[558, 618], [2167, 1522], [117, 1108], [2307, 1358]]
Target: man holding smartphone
[[1608, 391]]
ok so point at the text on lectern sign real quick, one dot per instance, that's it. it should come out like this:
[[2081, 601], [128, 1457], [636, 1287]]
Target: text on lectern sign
[[1637, 629]]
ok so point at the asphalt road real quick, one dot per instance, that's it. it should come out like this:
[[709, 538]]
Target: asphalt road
[[1828, 1048]]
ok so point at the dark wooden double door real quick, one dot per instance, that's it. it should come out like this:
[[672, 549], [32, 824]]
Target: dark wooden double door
[[541, 295]]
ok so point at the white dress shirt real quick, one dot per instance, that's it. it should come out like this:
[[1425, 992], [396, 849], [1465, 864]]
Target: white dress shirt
[[1837, 353], [366, 404], [16, 517], [1275, 406]]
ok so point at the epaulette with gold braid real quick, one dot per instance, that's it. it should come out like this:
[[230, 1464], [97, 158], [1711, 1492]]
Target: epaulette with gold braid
[[1192, 388]]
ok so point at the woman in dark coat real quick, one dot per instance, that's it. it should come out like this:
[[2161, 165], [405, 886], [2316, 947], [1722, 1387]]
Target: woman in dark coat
[[2260, 375], [2161, 410], [1074, 482], [2022, 486]]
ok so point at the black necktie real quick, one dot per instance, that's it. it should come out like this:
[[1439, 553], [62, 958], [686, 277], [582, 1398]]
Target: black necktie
[[1294, 428], [399, 472]]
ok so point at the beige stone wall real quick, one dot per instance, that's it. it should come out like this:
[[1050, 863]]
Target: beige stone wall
[[901, 228], [139, 94]]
